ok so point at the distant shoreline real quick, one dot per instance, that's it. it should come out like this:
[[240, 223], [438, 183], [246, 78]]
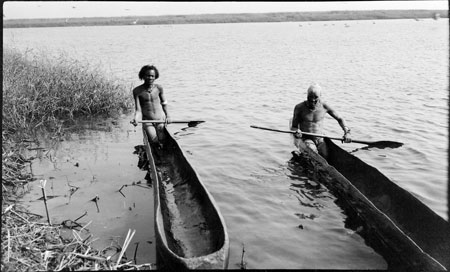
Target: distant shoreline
[[229, 18]]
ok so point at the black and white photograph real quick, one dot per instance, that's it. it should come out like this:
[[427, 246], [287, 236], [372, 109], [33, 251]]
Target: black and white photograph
[[226, 135]]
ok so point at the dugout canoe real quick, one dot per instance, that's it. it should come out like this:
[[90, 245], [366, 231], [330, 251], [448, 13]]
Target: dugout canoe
[[408, 234], [189, 229]]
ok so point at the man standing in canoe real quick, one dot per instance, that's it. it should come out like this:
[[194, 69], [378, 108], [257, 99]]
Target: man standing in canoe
[[308, 117], [151, 104]]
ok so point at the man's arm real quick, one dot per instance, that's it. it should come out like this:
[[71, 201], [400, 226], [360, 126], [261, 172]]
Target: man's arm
[[295, 119], [137, 108], [336, 116], [164, 103]]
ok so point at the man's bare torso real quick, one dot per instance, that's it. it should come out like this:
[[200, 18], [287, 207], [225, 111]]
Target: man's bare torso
[[309, 120], [150, 102]]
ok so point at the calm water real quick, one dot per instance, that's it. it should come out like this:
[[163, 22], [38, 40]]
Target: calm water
[[387, 78]]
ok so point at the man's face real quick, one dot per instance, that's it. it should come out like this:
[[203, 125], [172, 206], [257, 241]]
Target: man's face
[[149, 76], [313, 98]]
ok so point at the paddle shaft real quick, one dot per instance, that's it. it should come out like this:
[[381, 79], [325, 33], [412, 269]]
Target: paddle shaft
[[313, 134], [171, 122]]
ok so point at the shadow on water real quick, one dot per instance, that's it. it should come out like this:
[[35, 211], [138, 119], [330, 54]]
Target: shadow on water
[[314, 180], [143, 162], [314, 187], [310, 190]]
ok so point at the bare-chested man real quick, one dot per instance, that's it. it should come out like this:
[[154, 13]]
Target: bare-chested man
[[308, 117], [151, 104]]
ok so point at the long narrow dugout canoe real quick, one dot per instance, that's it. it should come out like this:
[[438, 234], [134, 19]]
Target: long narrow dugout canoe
[[189, 229], [408, 234]]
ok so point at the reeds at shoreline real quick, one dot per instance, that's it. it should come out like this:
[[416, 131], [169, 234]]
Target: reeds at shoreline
[[40, 91]]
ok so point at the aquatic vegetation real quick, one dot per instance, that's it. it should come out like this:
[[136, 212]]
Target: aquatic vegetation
[[42, 91], [39, 89]]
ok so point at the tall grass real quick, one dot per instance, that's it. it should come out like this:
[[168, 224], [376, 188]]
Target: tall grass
[[38, 89], [41, 91]]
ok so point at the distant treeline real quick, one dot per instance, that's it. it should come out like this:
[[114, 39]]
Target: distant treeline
[[229, 18]]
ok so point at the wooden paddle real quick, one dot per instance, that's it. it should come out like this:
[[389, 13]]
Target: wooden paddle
[[190, 123], [379, 144]]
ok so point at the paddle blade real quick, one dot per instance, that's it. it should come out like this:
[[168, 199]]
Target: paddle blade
[[385, 144], [194, 123]]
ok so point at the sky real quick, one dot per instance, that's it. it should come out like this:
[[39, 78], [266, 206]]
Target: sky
[[77, 9]]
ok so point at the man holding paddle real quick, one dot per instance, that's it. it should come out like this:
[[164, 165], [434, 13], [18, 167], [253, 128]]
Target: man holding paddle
[[308, 117], [307, 123], [151, 104]]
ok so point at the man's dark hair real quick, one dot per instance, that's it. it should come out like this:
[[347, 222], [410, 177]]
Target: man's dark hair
[[146, 68]]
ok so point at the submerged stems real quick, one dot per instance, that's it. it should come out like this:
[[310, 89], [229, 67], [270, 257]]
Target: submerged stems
[[243, 265], [43, 183], [125, 245]]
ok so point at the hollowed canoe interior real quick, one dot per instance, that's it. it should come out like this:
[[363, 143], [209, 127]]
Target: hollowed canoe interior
[[191, 224]]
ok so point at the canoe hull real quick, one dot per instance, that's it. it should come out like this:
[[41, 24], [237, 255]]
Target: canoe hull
[[190, 232], [403, 230]]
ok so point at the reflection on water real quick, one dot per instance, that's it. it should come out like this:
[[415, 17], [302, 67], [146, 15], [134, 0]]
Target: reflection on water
[[107, 183], [95, 171], [313, 190]]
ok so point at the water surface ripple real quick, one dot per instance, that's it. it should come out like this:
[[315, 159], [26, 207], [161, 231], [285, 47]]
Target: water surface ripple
[[388, 78]]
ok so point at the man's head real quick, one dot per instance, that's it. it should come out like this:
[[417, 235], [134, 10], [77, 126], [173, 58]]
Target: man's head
[[146, 68], [314, 93]]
